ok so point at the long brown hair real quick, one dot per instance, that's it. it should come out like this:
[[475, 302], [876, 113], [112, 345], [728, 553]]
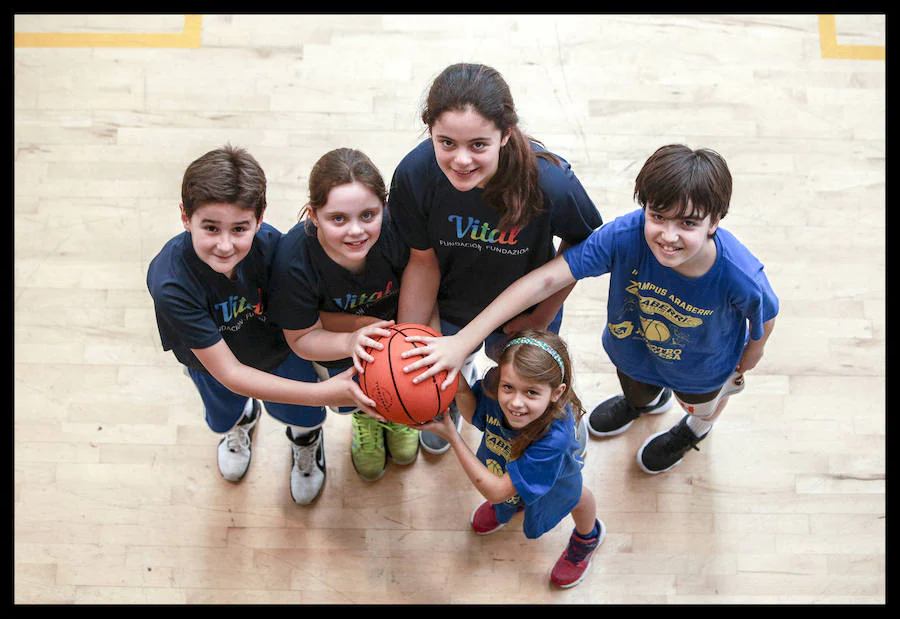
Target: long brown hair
[[534, 363], [514, 191]]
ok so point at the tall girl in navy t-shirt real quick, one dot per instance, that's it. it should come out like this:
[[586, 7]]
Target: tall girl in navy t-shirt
[[480, 204]]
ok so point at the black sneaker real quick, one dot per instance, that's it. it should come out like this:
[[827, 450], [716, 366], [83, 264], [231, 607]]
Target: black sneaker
[[664, 450], [614, 415]]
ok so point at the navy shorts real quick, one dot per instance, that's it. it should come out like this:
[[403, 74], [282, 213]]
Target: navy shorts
[[224, 408]]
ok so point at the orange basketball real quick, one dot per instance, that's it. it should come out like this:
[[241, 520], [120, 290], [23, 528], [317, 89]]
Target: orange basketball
[[396, 397]]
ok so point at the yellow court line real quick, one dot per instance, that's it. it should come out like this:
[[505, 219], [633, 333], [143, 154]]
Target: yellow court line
[[831, 49], [190, 37]]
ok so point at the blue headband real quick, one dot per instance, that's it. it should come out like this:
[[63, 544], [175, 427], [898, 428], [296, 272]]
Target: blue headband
[[543, 346]]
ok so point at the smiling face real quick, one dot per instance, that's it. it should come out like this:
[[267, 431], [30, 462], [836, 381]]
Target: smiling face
[[523, 400], [467, 147], [349, 224], [684, 244], [222, 234]]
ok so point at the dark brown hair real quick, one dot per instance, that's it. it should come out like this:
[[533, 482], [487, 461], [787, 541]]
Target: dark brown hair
[[340, 167], [535, 364], [514, 190], [692, 182], [230, 175]]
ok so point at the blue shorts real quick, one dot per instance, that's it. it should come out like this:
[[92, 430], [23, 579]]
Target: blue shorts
[[224, 408]]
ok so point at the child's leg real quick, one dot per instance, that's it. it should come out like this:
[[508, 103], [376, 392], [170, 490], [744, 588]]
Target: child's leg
[[223, 408], [664, 450], [304, 431], [589, 533], [616, 414], [703, 409], [638, 394], [489, 517], [585, 513], [232, 415]]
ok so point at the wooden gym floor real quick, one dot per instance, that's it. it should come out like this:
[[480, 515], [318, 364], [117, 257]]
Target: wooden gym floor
[[117, 498]]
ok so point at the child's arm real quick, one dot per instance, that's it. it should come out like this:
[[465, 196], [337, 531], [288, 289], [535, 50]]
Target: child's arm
[[545, 311], [340, 390], [753, 351], [318, 344], [419, 287], [450, 352], [465, 400], [343, 322], [493, 488]]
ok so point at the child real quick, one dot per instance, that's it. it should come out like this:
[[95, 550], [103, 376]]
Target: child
[[528, 458], [210, 288], [689, 310], [480, 203], [335, 282]]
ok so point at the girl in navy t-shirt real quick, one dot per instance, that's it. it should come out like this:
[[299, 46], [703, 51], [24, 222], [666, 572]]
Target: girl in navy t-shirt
[[481, 204], [335, 284]]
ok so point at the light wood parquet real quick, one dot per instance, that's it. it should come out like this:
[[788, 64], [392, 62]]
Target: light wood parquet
[[116, 495]]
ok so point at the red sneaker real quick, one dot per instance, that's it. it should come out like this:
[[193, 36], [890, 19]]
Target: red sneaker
[[484, 519], [573, 565]]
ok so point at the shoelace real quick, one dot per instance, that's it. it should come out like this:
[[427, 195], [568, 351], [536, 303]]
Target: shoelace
[[684, 438], [370, 434], [304, 455], [237, 439], [396, 428], [577, 550]]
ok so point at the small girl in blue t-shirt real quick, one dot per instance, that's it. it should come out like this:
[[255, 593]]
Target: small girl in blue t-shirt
[[529, 458]]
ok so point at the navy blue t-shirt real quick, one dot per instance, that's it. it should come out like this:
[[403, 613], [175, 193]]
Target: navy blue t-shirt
[[306, 281], [196, 306], [477, 261]]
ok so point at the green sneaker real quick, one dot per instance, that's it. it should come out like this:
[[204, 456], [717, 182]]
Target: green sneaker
[[402, 442], [367, 447]]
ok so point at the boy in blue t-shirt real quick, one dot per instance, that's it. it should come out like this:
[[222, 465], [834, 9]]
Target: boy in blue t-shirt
[[689, 308], [210, 289]]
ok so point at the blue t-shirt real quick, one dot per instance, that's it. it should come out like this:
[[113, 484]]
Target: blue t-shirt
[[196, 306], [306, 281], [477, 261], [686, 333], [547, 476]]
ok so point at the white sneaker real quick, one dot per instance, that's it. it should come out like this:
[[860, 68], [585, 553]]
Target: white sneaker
[[234, 447], [308, 467]]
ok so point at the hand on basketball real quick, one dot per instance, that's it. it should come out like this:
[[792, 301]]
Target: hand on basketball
[[348, 393], [365, 338], [442, 425], [440, 353]]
